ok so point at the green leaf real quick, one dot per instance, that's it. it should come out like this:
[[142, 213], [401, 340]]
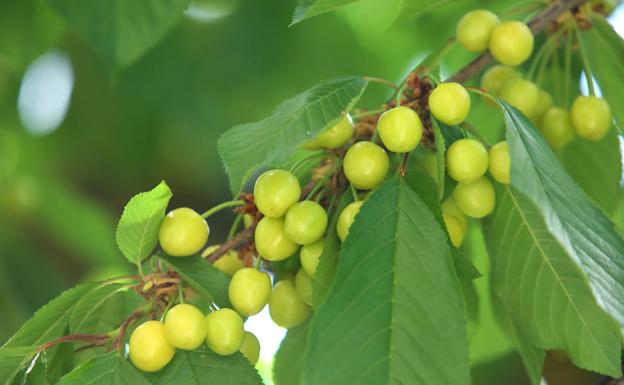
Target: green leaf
[[137, 231], [13, 360], [247, 147], [604, 49], [546, 293], [440, 156], [310, 8], [328, 261], [202, 366], [395, 313], [464, 266], [121, 31], [102, 309], [209, 282], [290, 357], [108, 369], [587, 236]]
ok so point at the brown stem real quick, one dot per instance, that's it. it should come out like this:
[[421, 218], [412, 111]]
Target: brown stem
[[118, 341], [537, 24], [238, 239], [93, 338]]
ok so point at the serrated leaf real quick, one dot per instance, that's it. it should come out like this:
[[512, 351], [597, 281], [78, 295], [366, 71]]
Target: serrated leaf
[[310, 8], [395, 313], [202, 366], [545, 291], [247, 147], [13, 360], [121, 31], [587, 236], [198, 273], [108, 369], [290, 357], [101, 309], [137, 231]]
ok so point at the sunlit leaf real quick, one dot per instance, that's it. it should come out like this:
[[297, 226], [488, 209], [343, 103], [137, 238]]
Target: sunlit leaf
[[109, 369]]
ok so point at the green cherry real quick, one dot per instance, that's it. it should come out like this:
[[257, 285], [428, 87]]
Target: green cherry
[[450, 103], [224, 331], [305, 222], [400, 129], [454, 228], [591, 117], [493, 79], [511, 43], [310, 256], [475, 199], [303, 285], [556, 126], [275, 191], [449, 207], [544, 102], [183, 232], [466, 160], [149, 349], [285, 307], [229, 263], [271, 240], [474, 29], [366, 165], [522, 94], [250, 347], [500, 162], [346, 218], [185, 327], [249, 291], [338, 135]]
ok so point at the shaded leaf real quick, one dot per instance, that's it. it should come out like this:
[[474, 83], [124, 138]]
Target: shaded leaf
[[310, 8], [13, 360], [102, 309], [108, 369], [290, 357]]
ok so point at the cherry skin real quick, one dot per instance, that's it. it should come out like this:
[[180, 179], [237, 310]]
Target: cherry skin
[[275, 191], [511, 43], [303, 286], [557, 127], [346, 218], [149, 349], [454, 228], [271, 240], [400, 129], [522, 94], [305, 222], [449, 103], [500, 162], [286, 308], [183, 232], [591, 117], [466, 160], [449, 207], [366, 165], [337, 135], [185, 327], [310, 256], [475, 199], [224, 331], [249, 291], [229, 263], [474, 29], [493, 79], [544, 102], [250, 347]]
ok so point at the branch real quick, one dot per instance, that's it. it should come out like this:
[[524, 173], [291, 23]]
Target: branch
[[537, 25], [93, 338], [118, 341]]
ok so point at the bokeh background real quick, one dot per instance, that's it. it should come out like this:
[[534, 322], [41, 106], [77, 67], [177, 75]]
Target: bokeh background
[[79, 136]]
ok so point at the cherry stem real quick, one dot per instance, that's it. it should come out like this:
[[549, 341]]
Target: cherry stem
[[354, 192], [294, 168], [365, 114], [385, 82], [238, 239], [586, 68], [469, 127], [118, 341], [93, 338], [403, 168], [235, 225], [222, 206]]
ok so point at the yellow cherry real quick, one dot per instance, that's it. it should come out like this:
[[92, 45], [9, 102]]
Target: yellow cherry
[[557, 127], [249, 291], [310, 256], [400, 129], [474, 29], [275, 191], [250, 347], [450, 103], [229, 263], [285, 307], [500, 162], [303, 285], [183, 232], [185, 327], [224, 331], [591, 117], [149, 349], [271, 240], [511, 43], [346, 218], [475, 199], [366, 165], [522, 94], [466, 160], [493, 79]]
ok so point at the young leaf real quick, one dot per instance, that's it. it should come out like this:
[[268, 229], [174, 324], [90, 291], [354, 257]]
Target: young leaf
[[290, 357], [395, 313], [108, 369], [121, 31], [545, 291], [587, 236], [202, 366], [137, 231], [310, 8], [199, 273], [247, 147]]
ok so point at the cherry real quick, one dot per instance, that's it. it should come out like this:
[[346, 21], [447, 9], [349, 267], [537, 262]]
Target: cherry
[[286, 308], [450, 103], [500, 162], [334, 137], [271, 240], [149, 349], [250, 347], [303, 285], [521, 94], [511, 42], [557, 127], [544, 102], [183, 232], [249, 291], [466, 160], [185, 327], [494, 78], [310, 256], [224, 331], [400, 129], [346, 218], [474, 29], [229, 263], [454, 228], [451, 208], [275, 191], [366, 165], [475, 199], [305, 222], [591, 117]]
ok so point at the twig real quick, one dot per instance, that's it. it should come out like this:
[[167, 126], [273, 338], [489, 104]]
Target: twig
[[94, 338], [118, 341], [238, 239], [537, 24]]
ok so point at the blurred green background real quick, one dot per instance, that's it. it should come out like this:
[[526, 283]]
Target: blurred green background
[[79, 135]]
